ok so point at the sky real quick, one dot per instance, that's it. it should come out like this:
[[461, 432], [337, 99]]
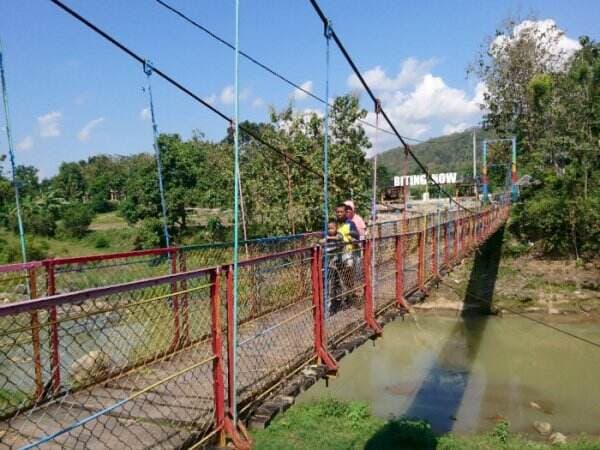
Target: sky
[[72, 95]]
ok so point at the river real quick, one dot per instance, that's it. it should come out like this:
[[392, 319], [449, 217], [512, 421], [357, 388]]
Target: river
[[463, 374]]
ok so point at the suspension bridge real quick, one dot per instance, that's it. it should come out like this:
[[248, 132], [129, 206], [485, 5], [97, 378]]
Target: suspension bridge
[[148, 362], [178, 347]]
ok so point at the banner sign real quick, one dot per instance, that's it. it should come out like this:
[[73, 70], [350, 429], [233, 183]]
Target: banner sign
[[421, 180]]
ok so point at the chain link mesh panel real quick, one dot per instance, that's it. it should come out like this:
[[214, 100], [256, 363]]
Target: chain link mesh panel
[[345, 287], [73, 274], [20, 282], [276, 319], [206, 255], [384, 275], [112, 370], [411, 261]]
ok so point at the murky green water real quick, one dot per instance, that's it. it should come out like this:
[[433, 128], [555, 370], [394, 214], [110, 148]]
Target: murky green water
[[463, 374]]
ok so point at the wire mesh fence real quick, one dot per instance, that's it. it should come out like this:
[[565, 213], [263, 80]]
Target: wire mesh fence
[[62, 275], [275, 317], [74, 274], [345, 287], [109, 366], [204, 255], [384, 270], [21, 281], [150, 363]]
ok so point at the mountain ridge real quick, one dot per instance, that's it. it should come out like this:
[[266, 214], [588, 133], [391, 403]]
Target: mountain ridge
[[447, 153]]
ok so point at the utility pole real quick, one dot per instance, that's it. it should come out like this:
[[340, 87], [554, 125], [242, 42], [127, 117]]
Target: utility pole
[[475, 163]]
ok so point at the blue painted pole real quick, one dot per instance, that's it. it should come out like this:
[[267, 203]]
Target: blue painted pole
[[484, 174], [326, 299], [236, 176], [374, 208], [513, 171], [12, 159], [163, 203]]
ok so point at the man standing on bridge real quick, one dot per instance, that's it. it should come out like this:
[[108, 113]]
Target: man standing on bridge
[[349, 256], [345, 226]]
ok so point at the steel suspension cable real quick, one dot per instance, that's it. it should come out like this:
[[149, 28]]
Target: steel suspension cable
[[485, 302], [327, 33], [236, 149], [374, 205], [405, 186], [283, 78], [369, 91], [163, 203], [260, 64], [11, 154], [296, 160]]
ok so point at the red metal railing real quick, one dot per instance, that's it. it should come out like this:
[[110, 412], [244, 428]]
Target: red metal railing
[[70, 274]]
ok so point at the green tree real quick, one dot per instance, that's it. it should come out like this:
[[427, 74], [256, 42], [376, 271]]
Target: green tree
[[69, 182], [76, 219], [29, 184], [552, 104], [349, 144]]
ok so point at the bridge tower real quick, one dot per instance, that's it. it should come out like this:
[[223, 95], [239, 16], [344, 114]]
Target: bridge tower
[[514, 189]]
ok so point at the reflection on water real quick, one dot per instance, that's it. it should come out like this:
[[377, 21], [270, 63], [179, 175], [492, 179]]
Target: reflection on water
[[465, 373]]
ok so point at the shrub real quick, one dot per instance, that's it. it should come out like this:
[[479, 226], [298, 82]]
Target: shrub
[[216, 231], [10, 250], [77, 219], [100, 204], [501, 432], [149, 235], [101, 242], [34, 223]]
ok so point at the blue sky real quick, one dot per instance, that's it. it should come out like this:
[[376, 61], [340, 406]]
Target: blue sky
[[72, 95]]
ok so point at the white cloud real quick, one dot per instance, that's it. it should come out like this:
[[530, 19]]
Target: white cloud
[[411, 71], [419, 103], [145, 114], [25, 144], [558, 45], [258, 102], [211, 99], [49, 124], [298, 94], [455, 128], [307, 112], [86, 132], [227, 95], [433, 98]]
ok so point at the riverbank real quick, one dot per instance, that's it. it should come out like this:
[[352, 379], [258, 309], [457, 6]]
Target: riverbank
[[333, 424], [530, 284]]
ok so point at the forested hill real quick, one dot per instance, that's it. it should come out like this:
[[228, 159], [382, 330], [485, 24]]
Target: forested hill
[[453, 152]]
